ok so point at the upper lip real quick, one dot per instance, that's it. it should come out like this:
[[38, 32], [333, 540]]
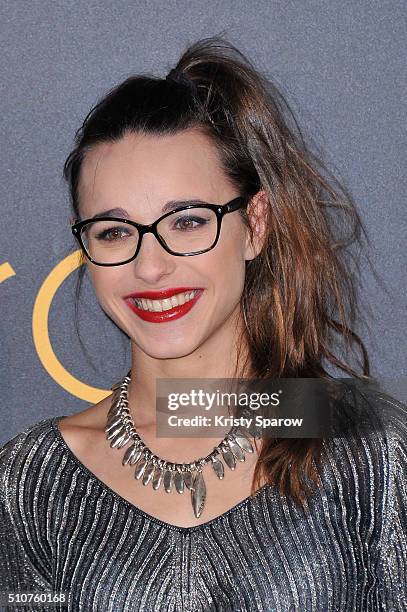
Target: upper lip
[[160, 295]]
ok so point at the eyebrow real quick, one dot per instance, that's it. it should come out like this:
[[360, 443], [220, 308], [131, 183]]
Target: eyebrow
[[168, 206]]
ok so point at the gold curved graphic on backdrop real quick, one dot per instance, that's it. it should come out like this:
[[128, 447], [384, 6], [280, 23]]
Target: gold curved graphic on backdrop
[[6, 271], [40, 332]]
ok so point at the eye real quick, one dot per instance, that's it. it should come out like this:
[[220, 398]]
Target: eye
[[113, 232], [187, 221]]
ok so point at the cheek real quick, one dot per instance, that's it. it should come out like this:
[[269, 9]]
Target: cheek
[[103, 282], [227, 267]]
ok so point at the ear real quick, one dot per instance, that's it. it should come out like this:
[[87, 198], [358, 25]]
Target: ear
[[257, 211]]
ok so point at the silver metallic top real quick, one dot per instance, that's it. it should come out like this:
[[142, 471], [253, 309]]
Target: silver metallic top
[[62, 529]]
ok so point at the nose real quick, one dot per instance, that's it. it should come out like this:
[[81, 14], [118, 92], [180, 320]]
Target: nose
[[152, 261]]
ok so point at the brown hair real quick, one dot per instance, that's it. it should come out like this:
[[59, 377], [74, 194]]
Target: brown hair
[[300, 296]]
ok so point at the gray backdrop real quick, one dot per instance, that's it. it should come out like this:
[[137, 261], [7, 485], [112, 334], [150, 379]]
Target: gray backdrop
[[341, 65]]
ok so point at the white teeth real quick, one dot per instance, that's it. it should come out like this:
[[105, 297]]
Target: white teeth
[[167, 304], [156, 306]]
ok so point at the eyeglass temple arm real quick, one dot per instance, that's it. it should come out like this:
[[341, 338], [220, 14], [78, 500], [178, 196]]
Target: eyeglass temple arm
[[236, 203]]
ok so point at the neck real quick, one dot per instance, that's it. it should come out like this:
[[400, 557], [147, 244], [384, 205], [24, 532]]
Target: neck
[[216, 358]]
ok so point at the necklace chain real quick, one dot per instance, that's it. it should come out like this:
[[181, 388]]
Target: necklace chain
[[120, 430]]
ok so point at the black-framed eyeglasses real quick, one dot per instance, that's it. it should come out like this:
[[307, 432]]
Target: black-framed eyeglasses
[[185, 231]]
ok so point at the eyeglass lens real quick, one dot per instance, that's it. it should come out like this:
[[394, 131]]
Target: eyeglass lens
[[184, 231]]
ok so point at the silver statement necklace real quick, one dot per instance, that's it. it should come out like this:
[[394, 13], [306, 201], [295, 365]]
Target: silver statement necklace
[[120, 429]]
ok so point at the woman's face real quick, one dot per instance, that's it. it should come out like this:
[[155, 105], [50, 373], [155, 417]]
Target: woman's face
[[140, 174]]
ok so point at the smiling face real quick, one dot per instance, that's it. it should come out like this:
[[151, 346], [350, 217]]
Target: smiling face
[[141, 174]]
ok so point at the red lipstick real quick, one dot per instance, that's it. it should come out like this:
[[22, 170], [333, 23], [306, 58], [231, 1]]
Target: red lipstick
[[166, 315]]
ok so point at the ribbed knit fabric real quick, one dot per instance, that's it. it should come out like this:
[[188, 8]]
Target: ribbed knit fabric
[[63, 529]]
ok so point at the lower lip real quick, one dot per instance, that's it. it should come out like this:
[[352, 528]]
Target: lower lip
[[166, 315]]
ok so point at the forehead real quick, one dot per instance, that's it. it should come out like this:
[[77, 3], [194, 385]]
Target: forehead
[[150, 168]]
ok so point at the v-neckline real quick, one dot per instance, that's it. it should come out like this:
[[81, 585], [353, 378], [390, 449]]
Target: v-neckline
[[102, 485]]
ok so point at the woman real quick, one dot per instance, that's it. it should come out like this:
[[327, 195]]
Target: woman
[[246, 275]]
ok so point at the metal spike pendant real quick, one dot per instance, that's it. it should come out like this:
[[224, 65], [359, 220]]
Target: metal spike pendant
[[148, 473], [117, 440], [229, 458], [198, 495], [218, 467], [125, 439], [135, 457], [244, 443], [141, 466], [179, 482], [158, 477], [188, 480], [114, 432], [236, 450], [112, 423], [115, 405], [114, 410], [168, 481], [115, 394], [130, 452]]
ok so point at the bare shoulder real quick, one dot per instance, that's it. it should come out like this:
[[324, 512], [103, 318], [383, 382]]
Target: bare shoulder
[[85, 427]]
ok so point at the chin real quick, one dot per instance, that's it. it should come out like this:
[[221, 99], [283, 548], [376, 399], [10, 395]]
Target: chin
[[167, 348]]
